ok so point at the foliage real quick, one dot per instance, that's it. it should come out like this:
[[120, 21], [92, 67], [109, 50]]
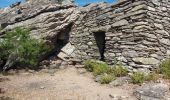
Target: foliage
[[137, 78], [28, 50], [97, 68], [165, 68], [89, 64], [109, 73], [152, 77], [107, 78], [100, 68], [6, 98], [118, 70]]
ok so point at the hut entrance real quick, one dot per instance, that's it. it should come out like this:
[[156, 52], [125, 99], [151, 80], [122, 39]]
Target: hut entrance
[[100, 41]]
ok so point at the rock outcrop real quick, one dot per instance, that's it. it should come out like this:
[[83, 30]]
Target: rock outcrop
[[46, 19]]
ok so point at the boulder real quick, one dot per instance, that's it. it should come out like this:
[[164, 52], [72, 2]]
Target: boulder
[[152, 92]]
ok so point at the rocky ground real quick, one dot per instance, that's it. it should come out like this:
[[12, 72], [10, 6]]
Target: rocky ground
[[67, 84], [71, 84]]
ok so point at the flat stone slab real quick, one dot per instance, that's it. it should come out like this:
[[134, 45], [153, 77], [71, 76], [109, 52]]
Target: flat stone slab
[[146, 61], [68, 49]]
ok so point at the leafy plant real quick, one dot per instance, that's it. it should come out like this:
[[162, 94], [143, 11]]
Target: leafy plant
[[26, 49], [107, 78], [118, 70], [165, 68]]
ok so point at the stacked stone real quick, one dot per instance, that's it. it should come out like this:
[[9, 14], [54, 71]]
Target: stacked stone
[[81, 35], [136, 32], [158, 17]]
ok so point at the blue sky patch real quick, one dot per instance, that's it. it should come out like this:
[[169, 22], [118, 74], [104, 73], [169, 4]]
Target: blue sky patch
[[5, 3]]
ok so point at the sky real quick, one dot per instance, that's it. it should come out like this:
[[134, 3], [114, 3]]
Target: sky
[[83, 2], [5, 3]]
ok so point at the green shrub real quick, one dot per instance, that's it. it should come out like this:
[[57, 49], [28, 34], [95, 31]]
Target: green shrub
[[89, 64], [137, 78], [97, 68], [107, 78], [100, 68], [118, 70], [165, 68], [152, 77], [27, 50]]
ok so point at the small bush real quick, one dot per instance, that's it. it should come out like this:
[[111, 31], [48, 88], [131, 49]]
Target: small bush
[[118, 70], [89, 65], [27, 51], [152, 77], [137, 78], [97, 68], [165, 68], [100, 68], [107, 78]]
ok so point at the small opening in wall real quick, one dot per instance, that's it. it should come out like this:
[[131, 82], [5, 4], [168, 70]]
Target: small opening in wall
[[100, 41]]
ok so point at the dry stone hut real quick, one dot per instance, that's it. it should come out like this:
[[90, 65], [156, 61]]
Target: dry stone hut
[[133, 32]]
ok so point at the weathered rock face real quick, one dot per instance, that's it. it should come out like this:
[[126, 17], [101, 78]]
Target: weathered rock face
[[47, 20], [133, 32]]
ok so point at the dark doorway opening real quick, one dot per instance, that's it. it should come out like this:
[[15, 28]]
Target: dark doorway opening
[[60, 40], [100, 41]]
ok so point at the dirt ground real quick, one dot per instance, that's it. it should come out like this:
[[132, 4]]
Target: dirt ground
[[67, 84]]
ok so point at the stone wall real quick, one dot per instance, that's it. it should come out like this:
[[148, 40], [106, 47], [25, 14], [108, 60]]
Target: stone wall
[[158, 17], [137, 32]]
